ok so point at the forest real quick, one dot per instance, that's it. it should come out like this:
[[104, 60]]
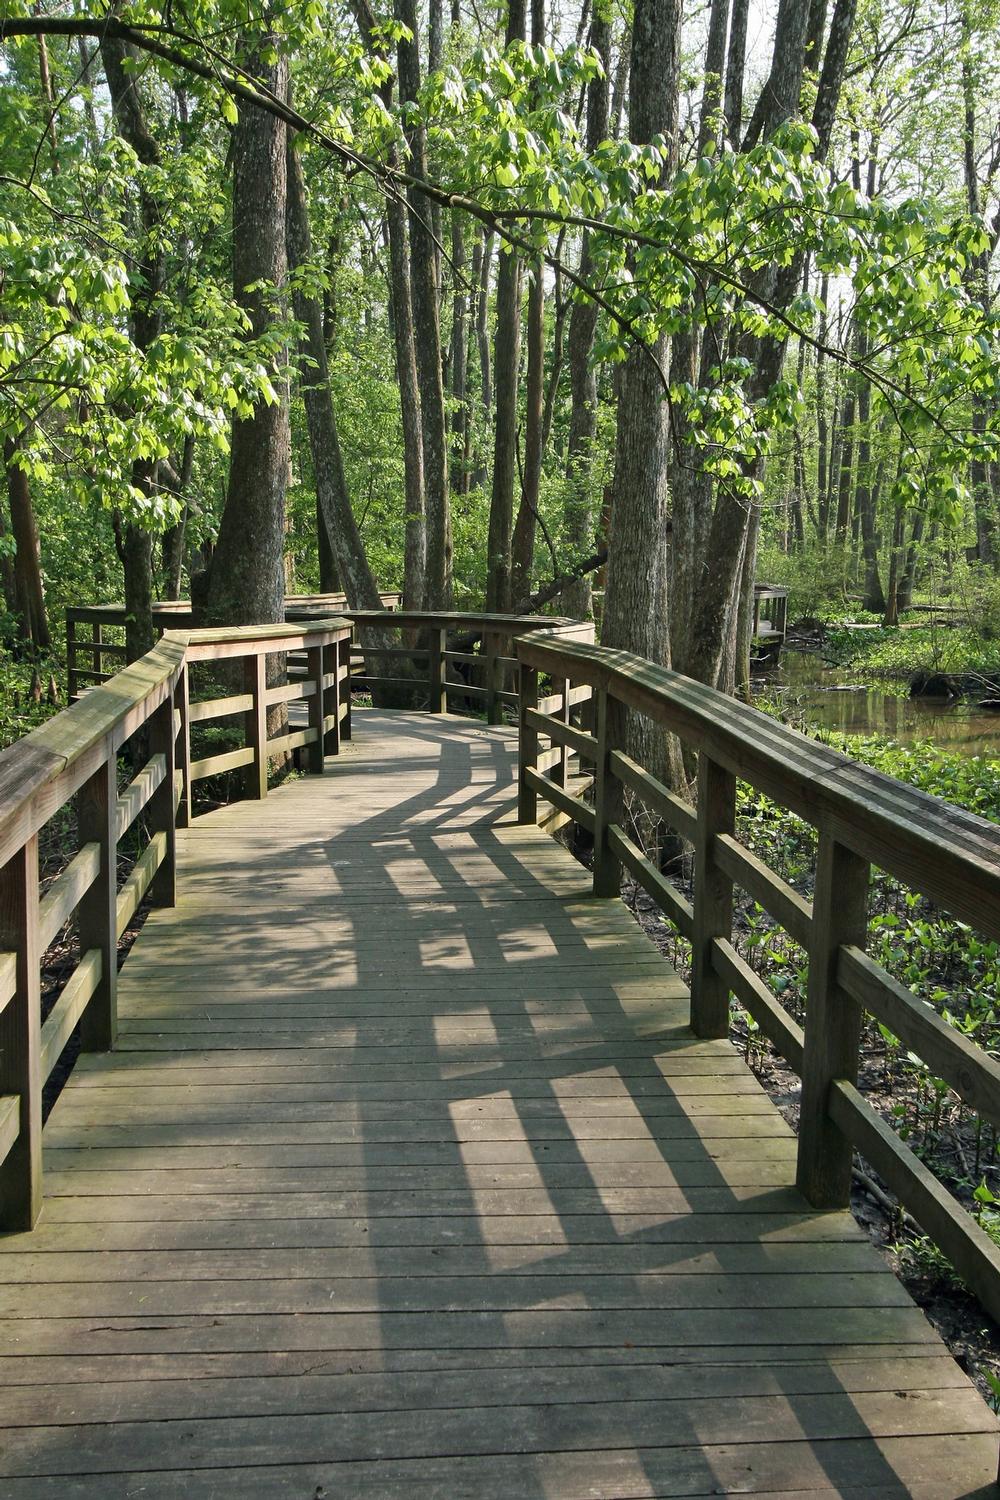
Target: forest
[[611, 310], [499, 308]]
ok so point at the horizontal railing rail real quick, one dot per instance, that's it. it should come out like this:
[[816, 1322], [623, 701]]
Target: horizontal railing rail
[[147, 710], [92, 657], [863, 819], [571, 699]]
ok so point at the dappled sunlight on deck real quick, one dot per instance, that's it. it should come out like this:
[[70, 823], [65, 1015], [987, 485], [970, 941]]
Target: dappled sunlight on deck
[[408, 1179]]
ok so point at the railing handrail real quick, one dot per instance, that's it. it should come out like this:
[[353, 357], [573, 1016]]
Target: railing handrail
[[63, 748], [893, 825], [862, 818]]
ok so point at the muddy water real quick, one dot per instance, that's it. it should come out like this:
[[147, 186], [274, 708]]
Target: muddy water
[[831, 698]]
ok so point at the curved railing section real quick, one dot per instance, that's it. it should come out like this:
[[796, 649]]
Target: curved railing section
[[144, 715], [570, 700], [277, 690], [862, 818]]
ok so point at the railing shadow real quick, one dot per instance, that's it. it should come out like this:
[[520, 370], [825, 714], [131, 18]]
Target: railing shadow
[[606, 1307]]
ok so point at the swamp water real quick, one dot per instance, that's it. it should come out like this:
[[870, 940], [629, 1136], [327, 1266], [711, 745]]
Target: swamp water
[[821, 697]]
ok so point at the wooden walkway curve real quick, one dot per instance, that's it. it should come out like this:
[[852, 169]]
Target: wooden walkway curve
[[407, 1178]]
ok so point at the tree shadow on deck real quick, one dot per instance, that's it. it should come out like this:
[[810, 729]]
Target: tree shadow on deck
[[446, 1173]]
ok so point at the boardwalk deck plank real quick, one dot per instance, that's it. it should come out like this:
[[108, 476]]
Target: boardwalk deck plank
[[408, 1179]]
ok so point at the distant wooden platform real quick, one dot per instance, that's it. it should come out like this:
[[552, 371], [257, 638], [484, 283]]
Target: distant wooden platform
[[408, 1179]]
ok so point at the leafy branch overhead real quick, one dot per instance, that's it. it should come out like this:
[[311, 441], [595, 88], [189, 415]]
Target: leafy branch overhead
[[694, 250]]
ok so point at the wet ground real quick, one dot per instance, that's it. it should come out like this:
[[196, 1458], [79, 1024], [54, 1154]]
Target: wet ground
[[817, 696]]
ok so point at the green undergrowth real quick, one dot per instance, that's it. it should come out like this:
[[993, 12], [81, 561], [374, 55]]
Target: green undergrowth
[[27, 698], [942, 960], [898, 652]]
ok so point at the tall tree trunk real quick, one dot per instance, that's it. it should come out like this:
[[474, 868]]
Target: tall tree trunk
[[579, 522], [459, 360], [978, 280], [845, 473], [350, 557], [29, 592], [172, 547], [507, 358], [865, 500], [635, 608], [426, 332], [732, 107], [506, 367], [401, 318], [246, 582], [145, 318], [691, 487], [523, 541]]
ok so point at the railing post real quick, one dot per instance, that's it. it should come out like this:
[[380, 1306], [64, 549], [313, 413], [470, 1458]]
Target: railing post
[[162, 819], [70, 656], [255, 683], [713, 898], [344, 648], [182, 703], [494, 708], [607, 871], [437, 645], [97, 913], [314, 708], [330, 697], [560, 773], [833, 1022], [20, 1027], [527, 742], [97, 636]]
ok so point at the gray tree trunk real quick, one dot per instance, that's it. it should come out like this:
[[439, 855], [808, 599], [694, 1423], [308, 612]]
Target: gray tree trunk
[[246, 582], [579, 519]]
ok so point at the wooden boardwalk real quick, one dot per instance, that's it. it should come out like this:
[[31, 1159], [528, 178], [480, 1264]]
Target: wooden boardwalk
[[407, 1179]]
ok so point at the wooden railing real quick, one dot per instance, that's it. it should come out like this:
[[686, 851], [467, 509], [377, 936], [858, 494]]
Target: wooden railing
[[450, 660], [95, 633], [863, 819], [146, 711]]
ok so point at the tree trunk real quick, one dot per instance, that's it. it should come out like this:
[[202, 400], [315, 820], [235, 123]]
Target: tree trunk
[[28, 589], [506, 366], [246, 581], [172, 546], [401, 319], [579, 520], [635, 609], [459, 361], [333, 500], [523, 542], [145, 318], [732, 107], [426, 333]]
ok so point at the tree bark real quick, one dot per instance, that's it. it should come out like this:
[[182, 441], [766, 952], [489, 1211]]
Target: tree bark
[[145, 319], [459, 361], [506, 365], [29, 591], [426, 333], [579, 520], [635, 609], [246, 580], [523, 541], [507, 358], [732, 107], [401, 319], [333, 499]]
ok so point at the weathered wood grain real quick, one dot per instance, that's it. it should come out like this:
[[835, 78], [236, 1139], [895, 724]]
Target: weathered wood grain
[[409, 1178]]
